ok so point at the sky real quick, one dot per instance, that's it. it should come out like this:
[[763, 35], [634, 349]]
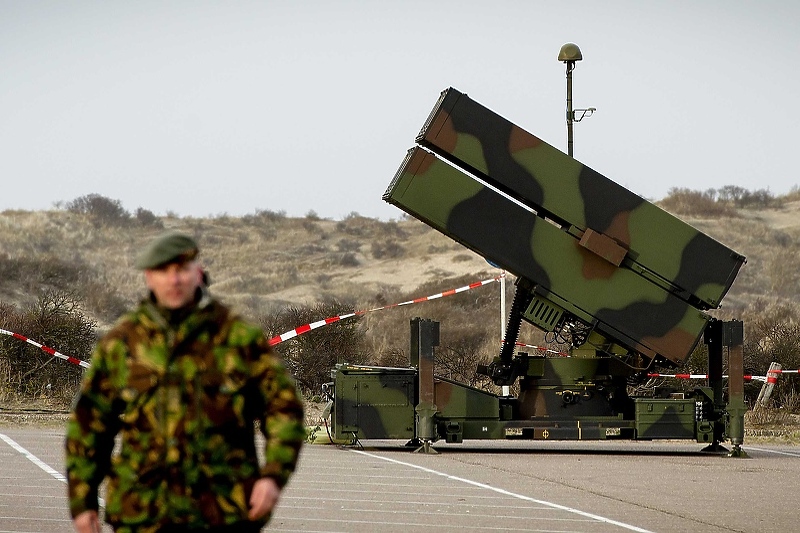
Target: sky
[[199, 108]]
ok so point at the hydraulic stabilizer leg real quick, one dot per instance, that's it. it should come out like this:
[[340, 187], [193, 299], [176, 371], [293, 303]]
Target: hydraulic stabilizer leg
[[712, 336], [427, 337], [734, 337], [729, 417]]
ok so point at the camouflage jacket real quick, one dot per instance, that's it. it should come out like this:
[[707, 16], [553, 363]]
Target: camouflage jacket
[[184, 400]]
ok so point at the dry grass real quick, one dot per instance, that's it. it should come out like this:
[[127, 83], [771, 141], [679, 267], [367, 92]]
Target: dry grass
[[265, 262], [256, 262]]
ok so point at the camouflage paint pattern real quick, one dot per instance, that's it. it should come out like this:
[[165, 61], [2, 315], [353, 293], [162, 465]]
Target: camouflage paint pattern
[[184, 400], [569, 387], [373, 402], [613, 260], [597, 407], [561, 188], [585, 250], [460, 402]]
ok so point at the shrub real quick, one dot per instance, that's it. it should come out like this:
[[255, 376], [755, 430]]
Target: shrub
[[312, 355], [102, 210], [262, 215], [56, 320], [348, 245], [688, 202], [310, 225], [771, 333], [387, 250], [352, 225], [146, 218], [349, 260], [759, 199]]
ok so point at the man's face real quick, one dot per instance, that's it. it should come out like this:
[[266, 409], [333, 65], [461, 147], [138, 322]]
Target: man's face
[[174, 284]]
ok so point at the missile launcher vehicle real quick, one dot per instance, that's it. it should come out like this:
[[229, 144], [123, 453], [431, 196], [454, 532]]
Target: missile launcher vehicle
[[624, 283]]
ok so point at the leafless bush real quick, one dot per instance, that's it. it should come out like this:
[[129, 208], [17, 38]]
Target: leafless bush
[[103, 210], [348, 259], [348, 245], [790, 401], [469, 325], [145, 217], [56, 320], [387, 250], [719, 202], [267, 223], [310, 225], [459, 357], [771, 333], [760, 198], [351, 225], [391, 230], [689, 202], [393, 357], [312, 355], [262, 215]]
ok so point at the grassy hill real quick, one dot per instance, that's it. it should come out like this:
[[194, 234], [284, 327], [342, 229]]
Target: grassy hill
[[258, 263], [266, 263]]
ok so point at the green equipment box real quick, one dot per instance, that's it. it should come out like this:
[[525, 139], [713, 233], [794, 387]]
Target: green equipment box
[[374, 403], [665, 418]]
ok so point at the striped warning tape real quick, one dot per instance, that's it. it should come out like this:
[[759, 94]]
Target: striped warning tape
[[45, 349], [772, 375], [541, 349], [289, 334], [703, 376], [314, 325]]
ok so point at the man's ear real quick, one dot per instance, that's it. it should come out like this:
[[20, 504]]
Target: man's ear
[[147, 280], [199, 273]]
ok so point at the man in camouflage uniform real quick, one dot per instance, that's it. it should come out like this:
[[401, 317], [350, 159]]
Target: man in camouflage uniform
[[181, 379]]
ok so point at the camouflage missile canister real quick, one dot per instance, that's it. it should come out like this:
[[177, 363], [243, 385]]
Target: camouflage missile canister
[[591, 248]]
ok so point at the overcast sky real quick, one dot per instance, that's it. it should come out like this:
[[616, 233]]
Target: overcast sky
[[204, 108]]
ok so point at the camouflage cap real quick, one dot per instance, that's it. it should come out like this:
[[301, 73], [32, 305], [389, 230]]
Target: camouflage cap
[[167, 248]]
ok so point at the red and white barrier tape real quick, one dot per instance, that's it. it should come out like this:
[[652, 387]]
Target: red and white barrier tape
[[772, 375], [285, 336], [314, 325], [45, 349], [703, 376], [541, 349]]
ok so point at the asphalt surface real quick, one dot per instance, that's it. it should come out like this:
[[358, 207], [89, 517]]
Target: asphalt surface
[[479, 486]]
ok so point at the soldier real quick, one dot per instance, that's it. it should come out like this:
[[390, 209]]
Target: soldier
[[182, 380]]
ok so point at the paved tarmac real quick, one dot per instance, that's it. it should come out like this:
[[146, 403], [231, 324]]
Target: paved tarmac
[[479, 486]]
